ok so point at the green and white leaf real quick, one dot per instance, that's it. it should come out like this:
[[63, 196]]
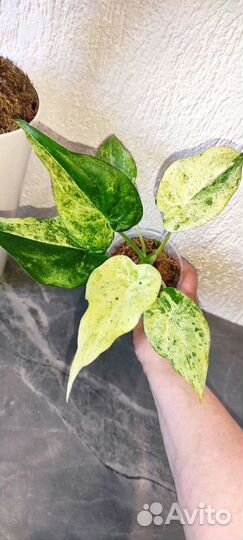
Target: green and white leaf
[[93, 198], [113, 151], [118, 293], [195, 190], [178, 331], [85, 224], [44, 249]]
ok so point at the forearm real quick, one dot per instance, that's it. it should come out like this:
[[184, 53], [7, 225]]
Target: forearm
[[205, 451]]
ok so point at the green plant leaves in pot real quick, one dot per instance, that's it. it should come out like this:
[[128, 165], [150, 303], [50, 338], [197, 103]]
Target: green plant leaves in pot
[[93, 198], [118, 292], [178, 331], [195, 190]]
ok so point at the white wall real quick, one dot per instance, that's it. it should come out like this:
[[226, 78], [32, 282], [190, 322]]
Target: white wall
[[165, 76]]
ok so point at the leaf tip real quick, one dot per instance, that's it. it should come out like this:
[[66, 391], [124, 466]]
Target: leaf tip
[[200, 394], [21, 123], [69, 388], [72, 376]]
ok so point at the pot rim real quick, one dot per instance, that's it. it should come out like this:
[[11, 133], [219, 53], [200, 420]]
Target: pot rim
[[17, 131], [132, 233]]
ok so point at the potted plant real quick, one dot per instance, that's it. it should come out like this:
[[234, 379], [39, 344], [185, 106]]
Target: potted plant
[[96, 197], [18, 99]]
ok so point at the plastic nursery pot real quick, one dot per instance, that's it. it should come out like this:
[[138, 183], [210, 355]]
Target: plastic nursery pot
[[155, 235], [14, 155]]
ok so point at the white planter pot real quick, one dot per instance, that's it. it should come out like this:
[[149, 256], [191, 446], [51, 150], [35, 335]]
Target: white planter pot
[[14, 155]]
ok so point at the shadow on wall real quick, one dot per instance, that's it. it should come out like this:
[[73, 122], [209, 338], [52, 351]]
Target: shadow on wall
[[70, 145], [28, 210], [189, 152]]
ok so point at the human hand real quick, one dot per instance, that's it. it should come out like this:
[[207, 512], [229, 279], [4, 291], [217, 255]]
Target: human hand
[[144, 351]]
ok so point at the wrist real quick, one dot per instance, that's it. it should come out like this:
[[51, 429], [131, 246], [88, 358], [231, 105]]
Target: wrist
[[155, 365], [166, 384]]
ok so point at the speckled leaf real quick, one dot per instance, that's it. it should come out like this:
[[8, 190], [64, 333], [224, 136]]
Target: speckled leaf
[[44, 250], [113, 151], [113, 200], [84, 222], [118, 293], [178, 331], [195, 190]]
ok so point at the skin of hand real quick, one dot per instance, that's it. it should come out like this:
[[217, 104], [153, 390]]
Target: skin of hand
[[207, 462]]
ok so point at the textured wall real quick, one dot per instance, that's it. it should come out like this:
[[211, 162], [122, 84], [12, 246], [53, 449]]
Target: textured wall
[[166, 77]]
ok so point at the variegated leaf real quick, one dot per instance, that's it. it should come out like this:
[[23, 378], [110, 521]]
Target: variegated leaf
[[44, 249], [93, 197], [195, 190], [113, 151], [178, 331], [118, 293]]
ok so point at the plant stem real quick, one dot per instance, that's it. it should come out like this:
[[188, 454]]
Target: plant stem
[[163, 244], [142, 241], [132, 244]]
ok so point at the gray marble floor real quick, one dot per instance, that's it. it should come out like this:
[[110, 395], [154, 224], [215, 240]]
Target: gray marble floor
[[84, 470]]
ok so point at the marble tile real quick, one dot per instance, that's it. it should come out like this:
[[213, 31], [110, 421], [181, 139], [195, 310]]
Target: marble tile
[[84, 470]]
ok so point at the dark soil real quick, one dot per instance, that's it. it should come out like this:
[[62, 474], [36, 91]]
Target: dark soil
[[166, 265], [18, 97]]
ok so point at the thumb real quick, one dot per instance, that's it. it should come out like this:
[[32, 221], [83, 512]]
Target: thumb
[[188, 283]]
